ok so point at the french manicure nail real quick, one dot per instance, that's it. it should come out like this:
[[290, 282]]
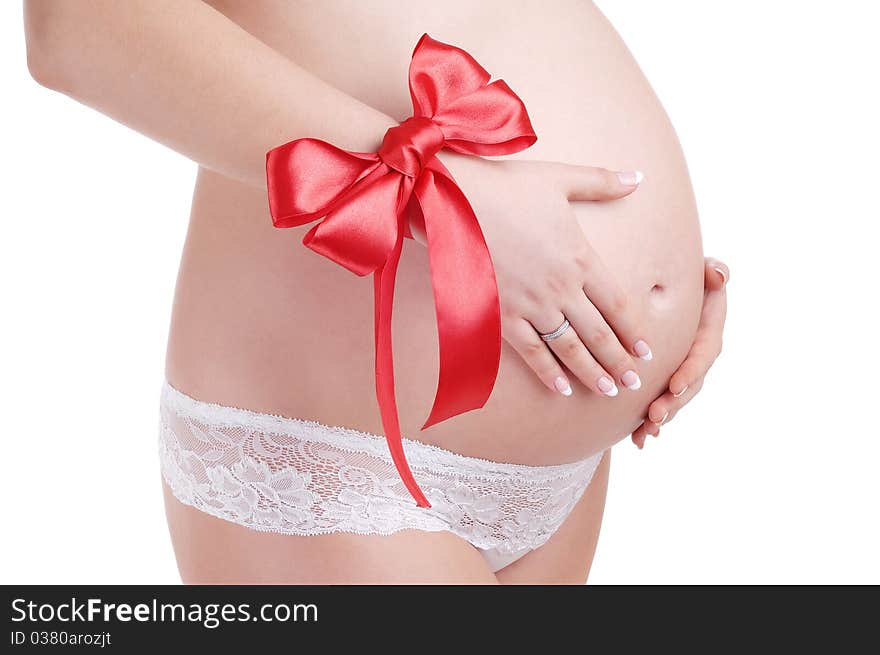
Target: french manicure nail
[[606, 385], [630, 178], [722, 274], [631, 380], [562, 386], [662, 420], [681, 392], [643, 350]]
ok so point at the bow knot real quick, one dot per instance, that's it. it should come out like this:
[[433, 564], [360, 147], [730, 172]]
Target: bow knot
[[365, 198], [408, 147]]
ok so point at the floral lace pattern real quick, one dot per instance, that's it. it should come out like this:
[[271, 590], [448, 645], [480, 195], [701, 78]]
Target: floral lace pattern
[[299, 477]]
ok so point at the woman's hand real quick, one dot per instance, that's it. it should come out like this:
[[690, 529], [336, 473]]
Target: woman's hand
[[687, 381], [547, 272]]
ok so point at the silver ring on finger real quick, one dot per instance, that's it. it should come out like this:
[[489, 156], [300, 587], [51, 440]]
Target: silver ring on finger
[[558, 332]]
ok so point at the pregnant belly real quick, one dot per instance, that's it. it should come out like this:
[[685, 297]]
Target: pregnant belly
[[261, 322]]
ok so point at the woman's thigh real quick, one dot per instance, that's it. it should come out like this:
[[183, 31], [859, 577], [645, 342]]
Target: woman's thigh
[[566, 558], [213, 551]]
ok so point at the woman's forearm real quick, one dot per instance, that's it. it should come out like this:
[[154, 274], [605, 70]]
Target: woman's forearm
[[185, 75]]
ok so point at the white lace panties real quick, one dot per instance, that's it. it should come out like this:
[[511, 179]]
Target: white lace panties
[[299, 477]]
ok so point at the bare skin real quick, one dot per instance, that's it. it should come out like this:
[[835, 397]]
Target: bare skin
[[251, 325]]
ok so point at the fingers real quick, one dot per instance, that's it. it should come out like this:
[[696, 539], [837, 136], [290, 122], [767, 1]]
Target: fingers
[[666, 406], [661, 412], [700, 358], [591, 183], [687, 381], [707, 343], [716, 275], [522, 336], [703, 353], [640, 435], [602, 343], [570, 349], [605, 294]]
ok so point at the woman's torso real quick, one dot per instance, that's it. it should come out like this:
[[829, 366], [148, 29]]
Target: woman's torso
[[261, 322]]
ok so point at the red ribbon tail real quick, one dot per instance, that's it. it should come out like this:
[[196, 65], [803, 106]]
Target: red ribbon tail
[[465, 296], [383, 290]]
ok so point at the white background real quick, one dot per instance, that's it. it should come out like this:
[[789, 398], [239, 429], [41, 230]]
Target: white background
[[770, 476]]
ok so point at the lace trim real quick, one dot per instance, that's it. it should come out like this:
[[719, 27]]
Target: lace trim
[[294, 476], [417, 453]]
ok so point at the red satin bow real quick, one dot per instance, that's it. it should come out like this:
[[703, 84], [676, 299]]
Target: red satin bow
[[367, 198]]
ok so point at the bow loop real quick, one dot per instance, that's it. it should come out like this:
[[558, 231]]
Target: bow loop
[[490, 121], [297, 195], [366, 198], [439, 74], [448, 86], [361, 230]]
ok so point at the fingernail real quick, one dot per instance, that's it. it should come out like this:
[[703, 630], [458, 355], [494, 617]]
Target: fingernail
[[606, 385], [630, 178], [662, 420], [631, 380], [562, 386], [681, 392], [722, 274], [643, 350]]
